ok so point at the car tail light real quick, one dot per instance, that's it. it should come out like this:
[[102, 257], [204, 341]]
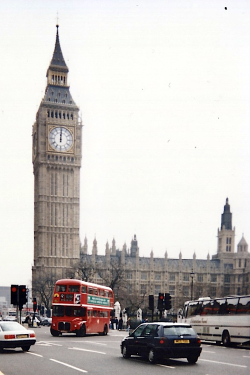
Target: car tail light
[[9, 337], [198, 340], [162, 340], [32, 335]]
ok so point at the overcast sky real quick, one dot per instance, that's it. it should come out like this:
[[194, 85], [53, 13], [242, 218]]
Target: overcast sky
[[163, 89]]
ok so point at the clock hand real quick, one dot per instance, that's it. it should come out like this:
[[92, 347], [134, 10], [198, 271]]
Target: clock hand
[[60, 135]]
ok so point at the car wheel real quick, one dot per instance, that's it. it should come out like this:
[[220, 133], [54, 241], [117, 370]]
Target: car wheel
[[54, 332], [82, 331], [151, 356], [125, 353], [192, 359], [26, 348], [226, 338]]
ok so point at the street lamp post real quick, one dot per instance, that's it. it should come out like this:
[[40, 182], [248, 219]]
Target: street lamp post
[[192, 283]]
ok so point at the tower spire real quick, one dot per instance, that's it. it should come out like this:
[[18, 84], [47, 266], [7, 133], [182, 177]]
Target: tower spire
[[226, 217], [57, 58]]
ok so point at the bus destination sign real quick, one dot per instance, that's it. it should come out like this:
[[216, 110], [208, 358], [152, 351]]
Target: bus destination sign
[[95, 300]]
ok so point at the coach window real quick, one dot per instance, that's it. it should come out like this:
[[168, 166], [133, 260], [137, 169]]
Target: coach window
[[95, 292], [232, 304], [222, 306], [101, 292], [84, 289], [90, 291], [207, 308], [244, 305]]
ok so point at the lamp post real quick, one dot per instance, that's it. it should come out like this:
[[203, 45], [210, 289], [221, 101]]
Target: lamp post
[[192, 283]]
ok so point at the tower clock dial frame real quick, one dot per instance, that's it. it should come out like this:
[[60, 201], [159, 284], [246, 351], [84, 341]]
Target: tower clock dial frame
[[61, 139]]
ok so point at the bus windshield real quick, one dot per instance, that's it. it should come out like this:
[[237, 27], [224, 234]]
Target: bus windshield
[[68, 311]]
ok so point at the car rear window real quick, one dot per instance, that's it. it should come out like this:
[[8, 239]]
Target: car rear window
[[12, 326], [178, 331]]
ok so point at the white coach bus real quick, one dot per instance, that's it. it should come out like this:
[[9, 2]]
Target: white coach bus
[[225, 320]]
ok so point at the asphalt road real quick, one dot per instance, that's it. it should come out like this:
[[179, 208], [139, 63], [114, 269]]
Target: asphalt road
[[96, 354]]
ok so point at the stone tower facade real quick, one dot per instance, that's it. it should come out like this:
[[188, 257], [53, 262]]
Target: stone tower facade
[[57, 142], [226, 234]]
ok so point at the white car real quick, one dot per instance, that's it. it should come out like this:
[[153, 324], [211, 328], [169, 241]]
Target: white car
[[10, 318], [14, 335]]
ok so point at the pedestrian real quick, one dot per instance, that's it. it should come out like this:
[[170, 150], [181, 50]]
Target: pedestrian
[[120, 324], [128, 324], [116, 323]]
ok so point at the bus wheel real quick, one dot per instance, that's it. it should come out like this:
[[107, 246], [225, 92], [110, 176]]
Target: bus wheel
[[226, 338], [105, 330], [82, 331], [54, 332]]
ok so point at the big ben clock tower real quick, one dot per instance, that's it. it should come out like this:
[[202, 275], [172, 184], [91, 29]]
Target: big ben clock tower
[[57, 138]]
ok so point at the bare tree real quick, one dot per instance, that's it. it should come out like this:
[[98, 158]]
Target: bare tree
[[113, 275], [84, 269], [43, 288]]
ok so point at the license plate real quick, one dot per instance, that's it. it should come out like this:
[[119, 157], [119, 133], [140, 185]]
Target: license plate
[[22, 336], [181, 341]]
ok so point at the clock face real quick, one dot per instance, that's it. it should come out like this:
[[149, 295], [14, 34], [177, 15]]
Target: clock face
[[60, 139]]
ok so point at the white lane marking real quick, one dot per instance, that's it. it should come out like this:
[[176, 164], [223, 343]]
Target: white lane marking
[[67, 365], [165, 366], [47, 343], [221, 363], [93, 343], [38, 355], [246, 356], [87, 350], [207, 351]]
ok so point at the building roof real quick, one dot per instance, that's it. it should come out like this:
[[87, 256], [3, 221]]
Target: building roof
[[59, 95]]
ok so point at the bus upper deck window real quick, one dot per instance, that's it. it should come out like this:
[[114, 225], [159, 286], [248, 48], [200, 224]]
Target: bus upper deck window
[[90, 291], [84, 289], [61, 288], [74, 288]]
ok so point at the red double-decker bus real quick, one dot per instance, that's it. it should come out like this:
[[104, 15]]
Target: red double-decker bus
[[80, 307]]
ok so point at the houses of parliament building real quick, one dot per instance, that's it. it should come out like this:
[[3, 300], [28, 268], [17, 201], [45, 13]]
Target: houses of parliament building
[[57, 142]]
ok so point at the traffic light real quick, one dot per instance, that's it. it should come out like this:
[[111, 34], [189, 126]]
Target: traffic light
[[14, 294], [151, 302], [34, 304], [22, 296], [167, 301], [160, 302]]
